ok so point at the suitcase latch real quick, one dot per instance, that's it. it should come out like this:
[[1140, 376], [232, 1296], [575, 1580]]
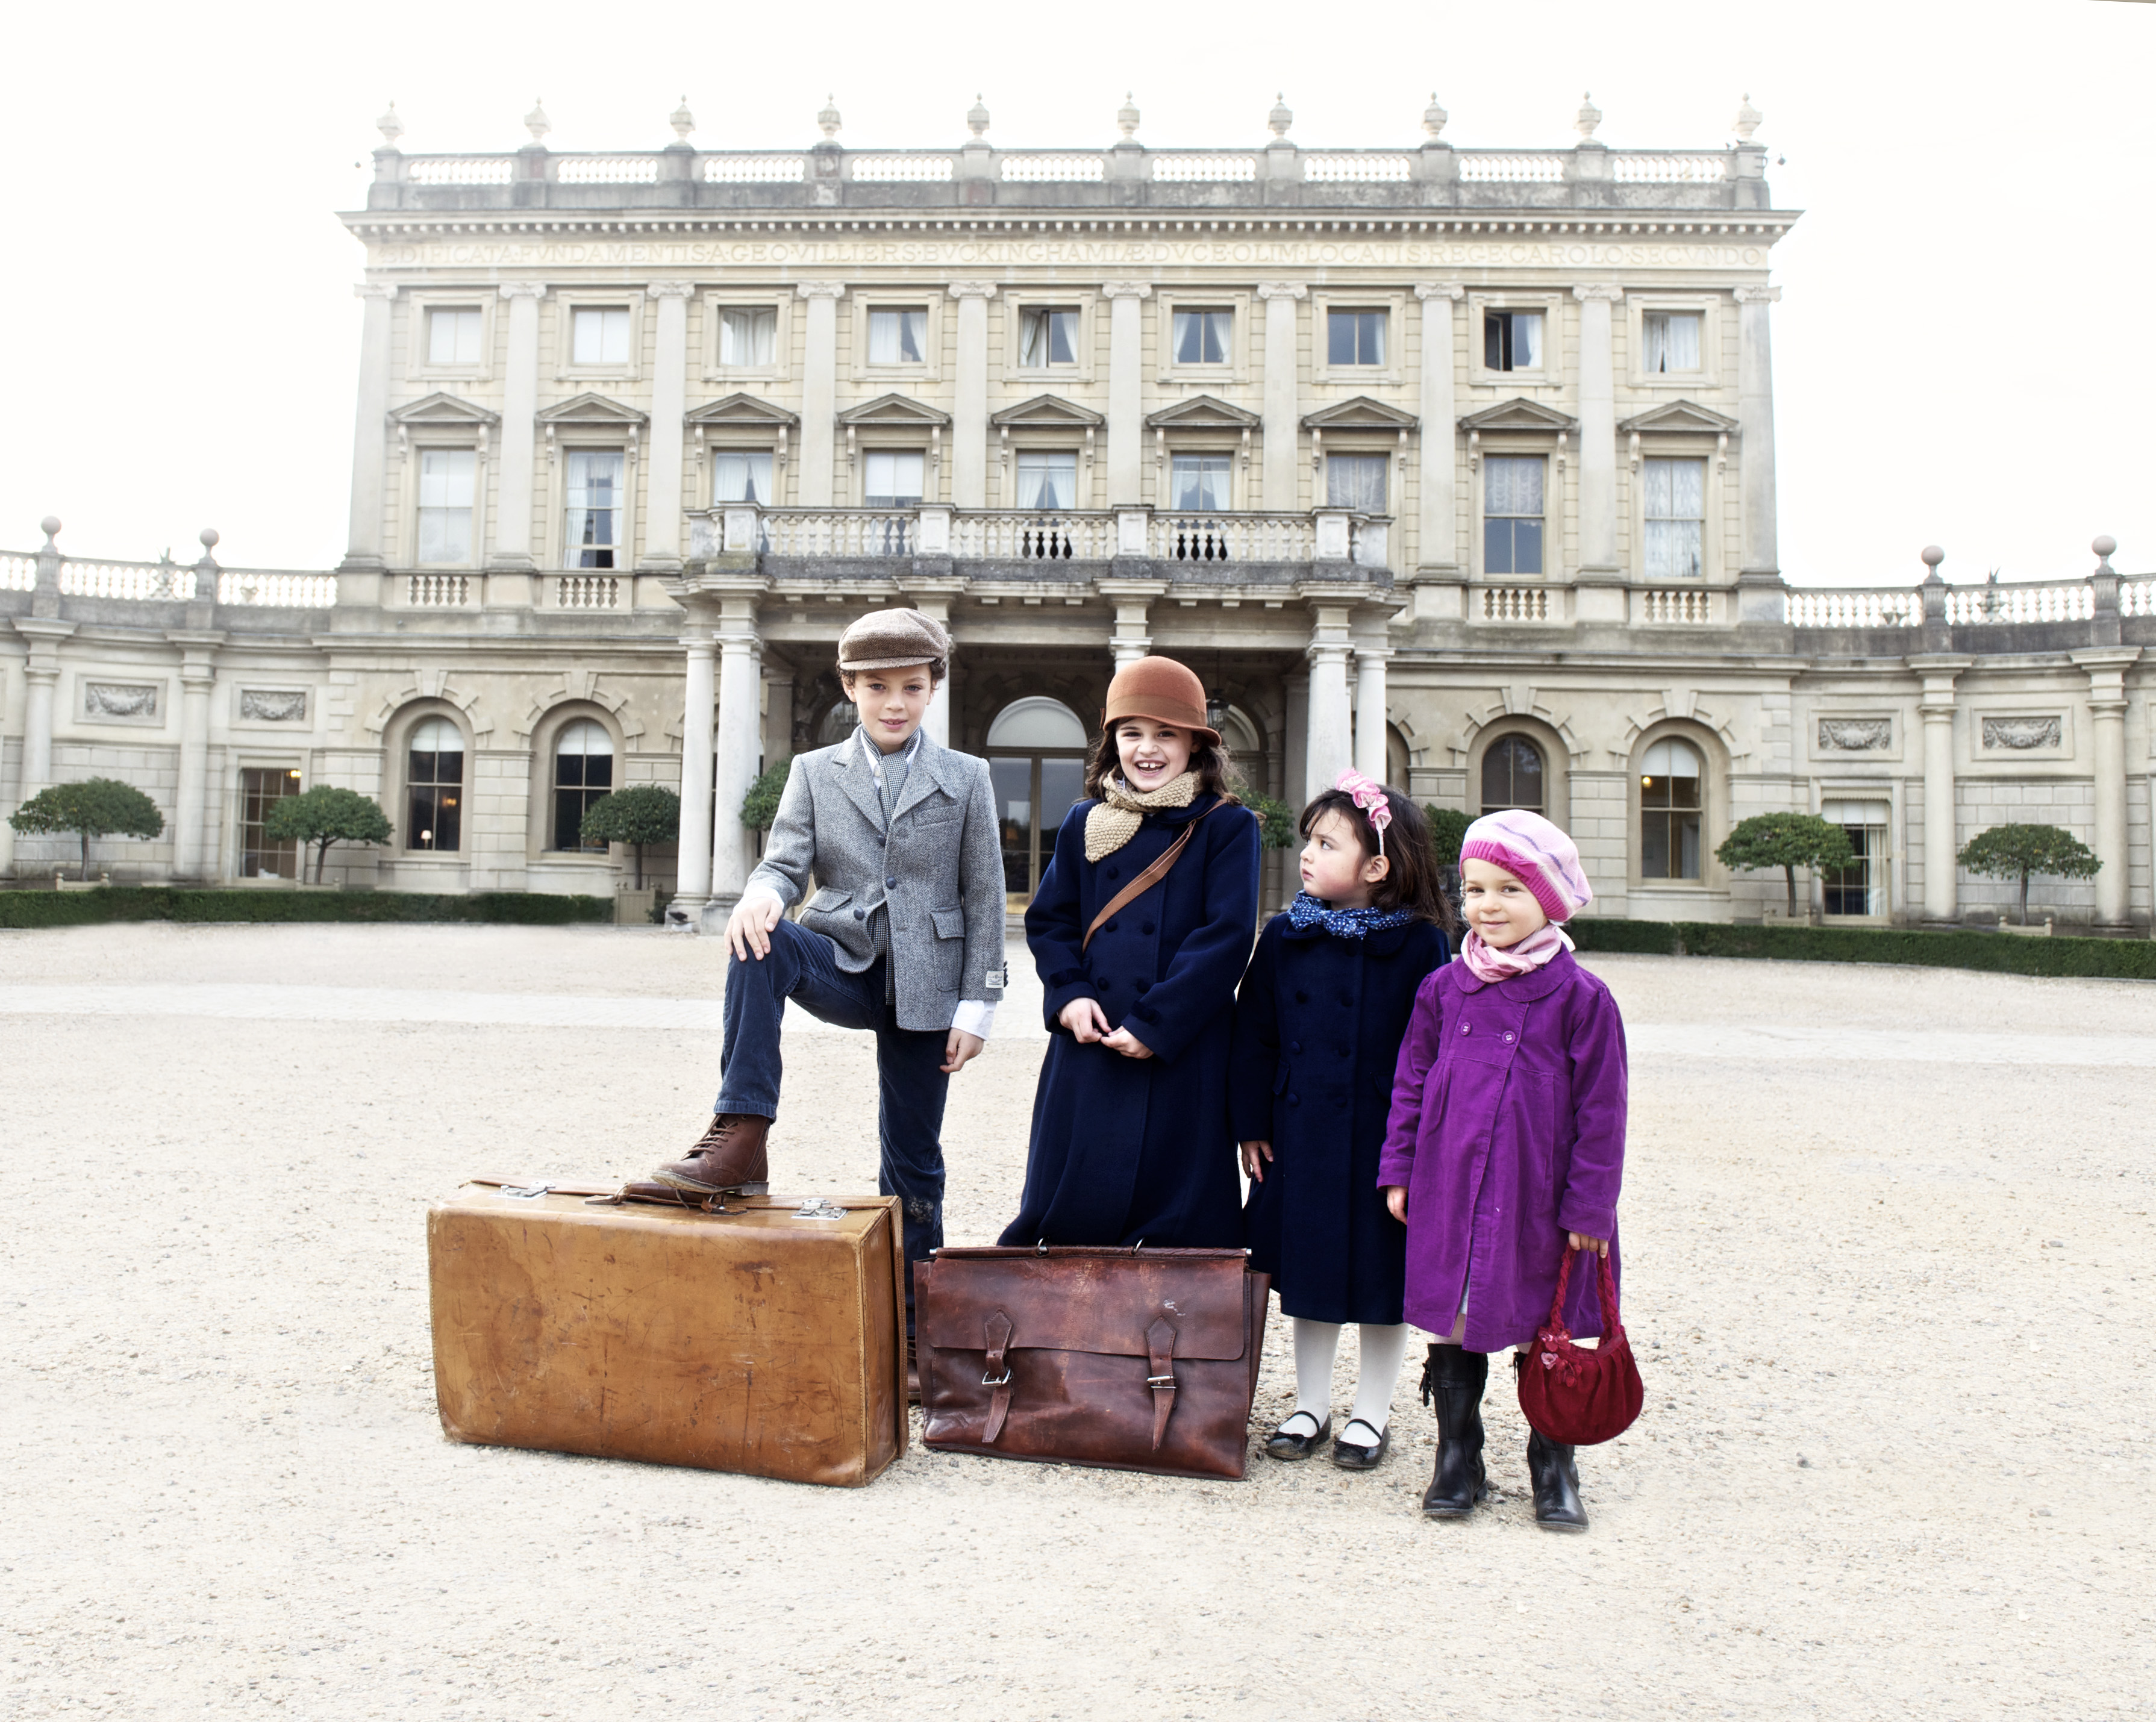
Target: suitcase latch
[[524, 1192], [817, 1208]]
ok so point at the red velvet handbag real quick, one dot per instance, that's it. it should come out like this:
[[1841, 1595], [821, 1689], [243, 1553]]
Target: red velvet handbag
[[1571, 1395]]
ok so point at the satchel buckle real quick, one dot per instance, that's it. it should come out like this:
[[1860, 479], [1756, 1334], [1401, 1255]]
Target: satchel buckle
[[1001, 1380], [1161, 1384]]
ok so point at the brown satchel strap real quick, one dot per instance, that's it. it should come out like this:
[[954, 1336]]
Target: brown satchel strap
[[1151, 877], [996, 1331], [1160, 1359]]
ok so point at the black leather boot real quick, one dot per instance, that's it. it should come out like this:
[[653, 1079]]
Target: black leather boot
[[1454, 1379], [1556, 1481]]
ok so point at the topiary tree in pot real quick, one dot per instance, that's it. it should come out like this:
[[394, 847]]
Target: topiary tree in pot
[[2017, 851], [1788, 841], [759, 808], [326, 815], [95, 806], [1276, 820], [646, 814]]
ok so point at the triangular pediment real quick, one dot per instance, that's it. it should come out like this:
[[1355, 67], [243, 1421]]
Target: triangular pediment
[[1047, 412], [1518, 414], [894, 408], [1201, 412], [589, 408], [441, 408], [738, 408], [1680, 415], [1360, 413]]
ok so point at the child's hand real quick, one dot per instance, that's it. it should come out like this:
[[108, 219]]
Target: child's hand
[[1580, 1240], [1127, 1043], [959, 1049], [1084, 1017], [1396, 1201], [748, 928], [1251, 1150]]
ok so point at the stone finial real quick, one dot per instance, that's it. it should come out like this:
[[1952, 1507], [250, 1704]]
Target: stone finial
[[683, 121], [1747, 121], [536, 123], [1281, 118], [390, 126], [829, 119], [1588, 117], [1127, 116], [50, 526], [2103, 544], [977, 118], [1933, 555], [208, 538], [1434, 118]]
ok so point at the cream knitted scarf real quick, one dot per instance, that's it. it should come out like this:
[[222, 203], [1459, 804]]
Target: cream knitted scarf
[[1115, 821]]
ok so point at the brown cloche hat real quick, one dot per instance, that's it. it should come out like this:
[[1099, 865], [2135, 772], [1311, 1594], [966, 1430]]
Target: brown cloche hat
[[1161, 690], [893, 640]]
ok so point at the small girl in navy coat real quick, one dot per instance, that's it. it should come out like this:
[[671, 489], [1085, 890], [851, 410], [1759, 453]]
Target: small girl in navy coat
[[1318, 1025]]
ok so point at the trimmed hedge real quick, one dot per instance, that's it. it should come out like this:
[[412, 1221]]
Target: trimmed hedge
[[75, 909], [2110, 959]]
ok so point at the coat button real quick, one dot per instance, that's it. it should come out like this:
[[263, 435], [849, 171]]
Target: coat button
[[1111, 926], [1295, 1046], [1344, 1052], [1347, 998], [1302, 998], [1466, 1028], [1508, 1038], [1147, 928], [1115, 873], [1295, 1100], [891, 883], [860, 915]]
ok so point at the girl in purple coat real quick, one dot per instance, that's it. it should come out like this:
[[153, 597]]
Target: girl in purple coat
[[1505, 1145]]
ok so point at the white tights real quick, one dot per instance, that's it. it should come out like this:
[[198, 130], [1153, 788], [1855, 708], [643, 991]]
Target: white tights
[[1316, 1343]]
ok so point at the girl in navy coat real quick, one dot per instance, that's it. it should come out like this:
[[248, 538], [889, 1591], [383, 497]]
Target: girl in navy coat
[[1130, 1141], [1318, 1032]]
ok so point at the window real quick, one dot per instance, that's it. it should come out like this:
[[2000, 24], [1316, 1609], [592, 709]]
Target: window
[[1048, 335], [598, 335], [1669, 812], [1356, 481], [1670, 339], [453, 335], [891, 479], [1036, 765], [435, 786], [1355, 337], [1047, 480], [1512, 341], [583, 772], [1860, 887], [741, 476], [748, 336], [592, 533], [1676, 515], [1512, 514], [898, 337], [1201, 337], [1200, 482], [446, 477], [1512, 776], [260, 789]]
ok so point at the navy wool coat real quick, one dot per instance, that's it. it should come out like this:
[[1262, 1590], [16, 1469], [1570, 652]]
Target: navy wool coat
[[1318, 1027], [1129, 1150]]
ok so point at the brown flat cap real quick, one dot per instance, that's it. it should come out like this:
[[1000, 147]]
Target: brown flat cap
[[893, 640], [1161, 690]]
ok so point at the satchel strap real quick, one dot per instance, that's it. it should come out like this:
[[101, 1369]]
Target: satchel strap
[[997, 1330], [1151, 877], [1160, 1357]]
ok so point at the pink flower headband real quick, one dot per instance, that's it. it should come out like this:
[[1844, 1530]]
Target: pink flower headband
[[1370, 798]]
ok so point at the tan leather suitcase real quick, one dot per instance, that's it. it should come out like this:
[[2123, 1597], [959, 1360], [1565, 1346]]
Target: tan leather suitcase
[[755, 1340]]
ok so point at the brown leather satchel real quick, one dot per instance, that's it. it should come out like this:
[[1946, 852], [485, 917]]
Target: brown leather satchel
[[1133, 1360]]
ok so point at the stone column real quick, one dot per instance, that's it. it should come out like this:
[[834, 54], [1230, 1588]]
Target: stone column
[[520, 405], [692, 879], [670, 401], [1597, 432], [1282, 422], [739, 731], [1755, 420], [370, 433], [1370, 712], [820, 392], [1437, 531], [1942, 894], [193, 857], [1294, 741], [2107, 672], [1329, 747], [1126, 392], [1132, 638], [969, 406], [41, 679]]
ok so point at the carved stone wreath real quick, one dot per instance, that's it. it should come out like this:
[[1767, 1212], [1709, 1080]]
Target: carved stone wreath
[[2020, 733], [273, 706], [1855, 734], [119, 699]]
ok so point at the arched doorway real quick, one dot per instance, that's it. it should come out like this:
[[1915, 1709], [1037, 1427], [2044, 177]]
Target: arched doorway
[[1036, 749]]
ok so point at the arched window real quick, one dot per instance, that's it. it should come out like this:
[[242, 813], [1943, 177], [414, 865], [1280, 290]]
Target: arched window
[[1512, 776], [583, 772], [1036, 752], [1669, 811], [435, 786]]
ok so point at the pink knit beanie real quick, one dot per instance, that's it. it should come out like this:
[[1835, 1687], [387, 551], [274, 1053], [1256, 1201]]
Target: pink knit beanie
[[1535, 852]]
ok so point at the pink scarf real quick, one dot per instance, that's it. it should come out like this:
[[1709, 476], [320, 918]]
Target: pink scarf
[[1489, 964]]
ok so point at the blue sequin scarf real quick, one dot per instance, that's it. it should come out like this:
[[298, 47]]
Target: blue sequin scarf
[[1307, 911]]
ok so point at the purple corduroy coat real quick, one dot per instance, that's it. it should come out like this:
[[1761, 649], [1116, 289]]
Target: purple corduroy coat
[[1507, 1127]]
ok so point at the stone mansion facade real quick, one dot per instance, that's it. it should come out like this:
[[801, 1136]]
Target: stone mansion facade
[[1455, 464]]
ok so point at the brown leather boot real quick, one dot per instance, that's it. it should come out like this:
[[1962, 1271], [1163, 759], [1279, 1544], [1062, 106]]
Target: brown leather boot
[[729, 1156]]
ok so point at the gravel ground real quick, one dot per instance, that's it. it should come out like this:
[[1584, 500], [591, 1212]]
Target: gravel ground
[[1886, 1231]]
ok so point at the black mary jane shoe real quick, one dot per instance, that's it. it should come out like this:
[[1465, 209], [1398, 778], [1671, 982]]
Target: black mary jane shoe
[[1353, 1455], [1284, 1446]]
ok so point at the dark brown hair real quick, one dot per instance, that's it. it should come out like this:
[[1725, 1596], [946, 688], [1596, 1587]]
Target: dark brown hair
[[1411, 882], [1209, 758]]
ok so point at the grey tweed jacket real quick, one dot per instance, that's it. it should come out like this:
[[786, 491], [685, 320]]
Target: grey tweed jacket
[[937, 872]]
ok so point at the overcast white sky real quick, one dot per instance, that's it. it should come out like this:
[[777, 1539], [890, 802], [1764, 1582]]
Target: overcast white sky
[[1964, 350]]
